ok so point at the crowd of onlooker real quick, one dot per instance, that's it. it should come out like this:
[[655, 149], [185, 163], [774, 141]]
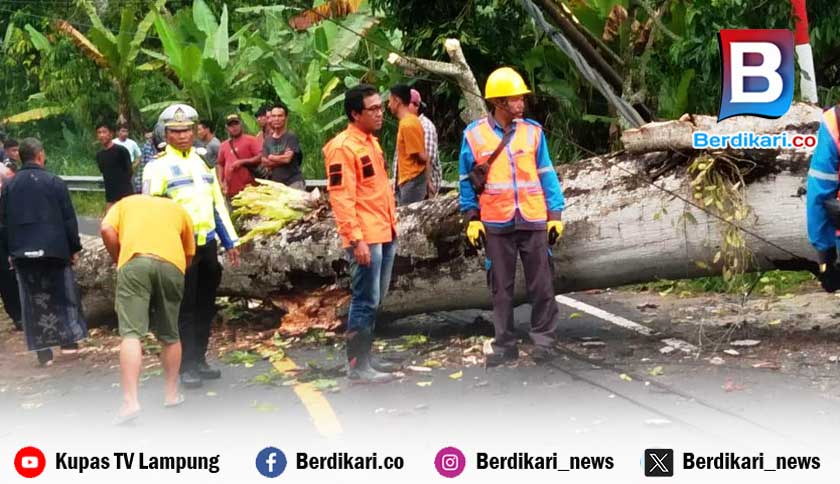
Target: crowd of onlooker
[[165, 240], [274, 152]]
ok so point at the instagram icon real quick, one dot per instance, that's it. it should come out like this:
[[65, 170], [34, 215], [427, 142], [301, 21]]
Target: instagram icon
[[450, 462]]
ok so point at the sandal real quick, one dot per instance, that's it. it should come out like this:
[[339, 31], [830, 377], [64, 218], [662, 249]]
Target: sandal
[[178, 401], [127, 418]]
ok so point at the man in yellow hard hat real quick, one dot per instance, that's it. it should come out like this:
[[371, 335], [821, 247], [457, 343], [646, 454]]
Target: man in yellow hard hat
[[511, 197], [181, 174]]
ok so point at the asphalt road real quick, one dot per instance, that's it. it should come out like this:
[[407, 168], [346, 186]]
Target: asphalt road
[[609, 403], [612, 393]]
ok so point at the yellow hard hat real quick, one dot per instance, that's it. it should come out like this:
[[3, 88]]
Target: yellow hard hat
[[505, 82]]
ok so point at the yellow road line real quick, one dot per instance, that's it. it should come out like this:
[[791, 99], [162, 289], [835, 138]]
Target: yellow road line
[[320, 410]]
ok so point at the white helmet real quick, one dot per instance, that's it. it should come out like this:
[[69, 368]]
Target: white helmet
[[178, 116]]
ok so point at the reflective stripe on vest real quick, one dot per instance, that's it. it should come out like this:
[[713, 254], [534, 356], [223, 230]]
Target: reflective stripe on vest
[[513, 181]]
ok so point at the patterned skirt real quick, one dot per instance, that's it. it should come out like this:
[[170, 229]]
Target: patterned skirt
[[51, 303]]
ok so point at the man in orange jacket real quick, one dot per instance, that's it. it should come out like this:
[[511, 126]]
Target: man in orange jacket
[[364, 211], [516, 211]]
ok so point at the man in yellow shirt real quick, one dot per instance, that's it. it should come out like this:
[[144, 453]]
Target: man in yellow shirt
[[411, 148], [150, 280]]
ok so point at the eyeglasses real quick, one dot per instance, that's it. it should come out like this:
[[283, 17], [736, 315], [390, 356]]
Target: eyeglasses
[[373, 109]]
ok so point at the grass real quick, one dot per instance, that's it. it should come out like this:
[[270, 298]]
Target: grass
[[90, 204], [771, 283]]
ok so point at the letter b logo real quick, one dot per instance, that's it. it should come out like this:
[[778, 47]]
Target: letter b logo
[[757, 68]]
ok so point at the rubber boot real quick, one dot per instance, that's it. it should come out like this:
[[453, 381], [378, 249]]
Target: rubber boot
[[380, 364], [384, 366], [359, 369]]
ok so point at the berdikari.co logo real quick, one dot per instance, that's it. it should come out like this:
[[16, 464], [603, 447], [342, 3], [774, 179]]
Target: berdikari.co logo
[[756, 72]]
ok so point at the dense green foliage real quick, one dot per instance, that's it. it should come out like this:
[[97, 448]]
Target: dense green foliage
[[235, 55]]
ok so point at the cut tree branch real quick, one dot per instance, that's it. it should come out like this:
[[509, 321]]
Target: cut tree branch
[[678, 135], [458, 70]]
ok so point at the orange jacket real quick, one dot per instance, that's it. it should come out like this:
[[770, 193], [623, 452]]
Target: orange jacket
[[360, 192], [514, 179]]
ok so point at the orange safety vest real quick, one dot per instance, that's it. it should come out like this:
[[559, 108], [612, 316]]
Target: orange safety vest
[[513, 181]]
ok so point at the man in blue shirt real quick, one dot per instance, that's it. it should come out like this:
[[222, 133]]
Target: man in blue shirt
[[512, 199], [823, 208]]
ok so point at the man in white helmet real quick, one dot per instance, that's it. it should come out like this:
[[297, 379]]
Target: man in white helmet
[[179, 173]]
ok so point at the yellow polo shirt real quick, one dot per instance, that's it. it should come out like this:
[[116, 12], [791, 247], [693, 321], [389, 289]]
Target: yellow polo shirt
[[152, 225]]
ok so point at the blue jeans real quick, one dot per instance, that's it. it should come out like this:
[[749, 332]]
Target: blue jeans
[[369, 285]]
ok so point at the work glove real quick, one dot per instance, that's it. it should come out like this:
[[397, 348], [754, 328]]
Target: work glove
[[555, 231], [476, 235], [829, 275]]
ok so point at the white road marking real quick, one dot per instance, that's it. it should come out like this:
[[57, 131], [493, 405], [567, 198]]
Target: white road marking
[[676, 343], [606, 316]]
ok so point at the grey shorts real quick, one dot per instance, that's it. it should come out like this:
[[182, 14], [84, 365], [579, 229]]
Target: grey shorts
[[413, 190]]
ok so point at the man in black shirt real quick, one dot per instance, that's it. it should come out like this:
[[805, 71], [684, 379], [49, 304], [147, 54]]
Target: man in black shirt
[[114, 163], [39, 232], [281, 150]]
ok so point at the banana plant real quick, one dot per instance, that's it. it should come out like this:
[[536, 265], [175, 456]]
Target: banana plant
[[116, 54], [327, 48], [313, 97], [197, 50]]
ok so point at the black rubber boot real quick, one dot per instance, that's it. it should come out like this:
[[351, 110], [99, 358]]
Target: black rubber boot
[[207, 372], [544, 355], [190, 378], [382, 365], [359, 369], [501, 357]]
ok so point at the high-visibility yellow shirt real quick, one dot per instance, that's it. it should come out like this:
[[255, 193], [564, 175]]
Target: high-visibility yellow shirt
[[186, 179]]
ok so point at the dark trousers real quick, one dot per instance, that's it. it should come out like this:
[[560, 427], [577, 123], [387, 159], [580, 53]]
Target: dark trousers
[[9, 292], [198, 307], [532, 247]]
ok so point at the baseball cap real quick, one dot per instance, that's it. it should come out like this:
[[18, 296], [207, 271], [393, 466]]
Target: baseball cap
[[232, 118], [415, 97]]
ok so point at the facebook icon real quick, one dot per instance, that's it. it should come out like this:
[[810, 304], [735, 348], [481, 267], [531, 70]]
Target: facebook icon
[[271, 462]]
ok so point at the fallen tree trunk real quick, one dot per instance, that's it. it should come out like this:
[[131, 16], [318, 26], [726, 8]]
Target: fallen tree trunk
[[620, 230], [677, 135]]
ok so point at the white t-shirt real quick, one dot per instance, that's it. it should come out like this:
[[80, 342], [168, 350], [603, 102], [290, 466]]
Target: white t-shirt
[[131, 146]]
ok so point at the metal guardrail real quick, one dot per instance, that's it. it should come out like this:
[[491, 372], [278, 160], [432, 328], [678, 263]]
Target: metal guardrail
[[96, 184], [84, 183]]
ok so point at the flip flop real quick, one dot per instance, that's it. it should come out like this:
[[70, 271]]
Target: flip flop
[[127, 418], [178, 401]]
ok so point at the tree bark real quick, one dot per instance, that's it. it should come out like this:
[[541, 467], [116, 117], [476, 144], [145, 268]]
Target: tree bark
[[620, 230], [677, 135]]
